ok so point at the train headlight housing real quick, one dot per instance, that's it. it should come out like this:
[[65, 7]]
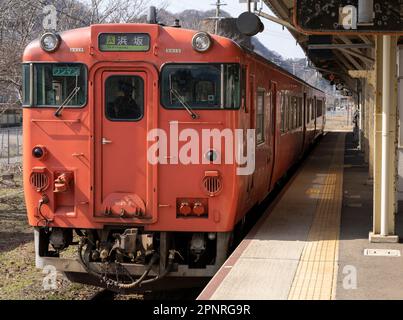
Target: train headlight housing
[[211, 155], [39, 152], [50, 41], [201, 42]]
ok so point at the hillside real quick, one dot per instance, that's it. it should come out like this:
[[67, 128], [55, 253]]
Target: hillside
[[192, 19]]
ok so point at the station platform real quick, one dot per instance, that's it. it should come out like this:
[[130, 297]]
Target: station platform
[[312, 242]]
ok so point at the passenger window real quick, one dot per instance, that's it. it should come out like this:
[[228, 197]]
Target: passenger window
[[290, 113], [243, 87], [300, 112], [282, 113], [287, 113], [319, 109], [313, 110], [124, 98], [295, 113], [260, 117]]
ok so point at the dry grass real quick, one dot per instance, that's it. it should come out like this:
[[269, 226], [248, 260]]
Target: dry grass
[[20, 280]]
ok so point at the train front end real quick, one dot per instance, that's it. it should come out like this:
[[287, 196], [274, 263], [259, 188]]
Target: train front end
[[131, 153]]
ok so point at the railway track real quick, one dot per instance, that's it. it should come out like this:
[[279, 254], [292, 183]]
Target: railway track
[[171, 295], [103, 295], [193, 293]]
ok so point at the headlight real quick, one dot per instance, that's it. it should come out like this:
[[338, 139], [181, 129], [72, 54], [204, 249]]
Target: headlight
[[211, 155], [201, 41], [39, 152], [50, 41]]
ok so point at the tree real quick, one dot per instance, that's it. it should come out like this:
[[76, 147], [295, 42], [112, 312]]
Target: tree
[[21, 22]]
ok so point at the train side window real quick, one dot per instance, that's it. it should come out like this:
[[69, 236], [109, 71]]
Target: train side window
[[295, 116], [300, 112], [306, 111], [243, 88], [272, 110], [282, 106], [290, 113], [231, 86], [313, 113], [319, 109], [260, 117], [26, 85], [286, 113], [124, 98]]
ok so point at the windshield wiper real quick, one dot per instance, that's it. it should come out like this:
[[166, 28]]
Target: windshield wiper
[[184, 104], [72, 94]]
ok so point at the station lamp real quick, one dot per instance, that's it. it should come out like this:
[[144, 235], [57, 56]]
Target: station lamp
[[50, 41]]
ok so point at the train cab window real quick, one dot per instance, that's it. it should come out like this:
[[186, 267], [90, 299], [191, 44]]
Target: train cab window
[[260, 117], [26, 85], [60, 83], [124, 98], [201, 86]]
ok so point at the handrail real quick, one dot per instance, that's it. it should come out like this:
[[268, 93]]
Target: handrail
[[58, 120]]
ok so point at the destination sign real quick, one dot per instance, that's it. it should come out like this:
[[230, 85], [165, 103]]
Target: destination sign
[[349, 16], [59, 71], [129, 42]]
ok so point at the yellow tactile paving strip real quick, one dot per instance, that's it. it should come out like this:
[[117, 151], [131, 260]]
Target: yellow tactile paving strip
[[316, 275]]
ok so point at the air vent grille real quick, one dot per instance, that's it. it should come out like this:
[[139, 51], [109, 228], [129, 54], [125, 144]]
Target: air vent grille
[[212, 185], [39, 180]]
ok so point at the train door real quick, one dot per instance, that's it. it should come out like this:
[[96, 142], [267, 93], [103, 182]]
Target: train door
[[263, 140], [252, 125], [123, 178]]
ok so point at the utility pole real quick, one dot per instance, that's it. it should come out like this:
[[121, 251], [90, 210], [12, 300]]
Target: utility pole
[[218, 17]]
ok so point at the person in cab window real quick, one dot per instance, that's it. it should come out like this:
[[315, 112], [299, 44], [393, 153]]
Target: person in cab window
[[125, 106]]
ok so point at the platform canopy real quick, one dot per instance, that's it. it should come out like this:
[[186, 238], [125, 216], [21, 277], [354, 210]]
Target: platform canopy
[[337, 55]]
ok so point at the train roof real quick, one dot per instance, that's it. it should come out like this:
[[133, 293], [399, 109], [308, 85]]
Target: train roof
[[257, 55]]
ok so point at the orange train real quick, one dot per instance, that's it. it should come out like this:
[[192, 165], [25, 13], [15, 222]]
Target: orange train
[[114, 162]]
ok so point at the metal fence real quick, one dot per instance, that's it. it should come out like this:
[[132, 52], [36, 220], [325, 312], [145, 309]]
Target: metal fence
[[10, 145]]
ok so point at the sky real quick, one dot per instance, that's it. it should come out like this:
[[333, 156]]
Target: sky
[[273, 37]]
